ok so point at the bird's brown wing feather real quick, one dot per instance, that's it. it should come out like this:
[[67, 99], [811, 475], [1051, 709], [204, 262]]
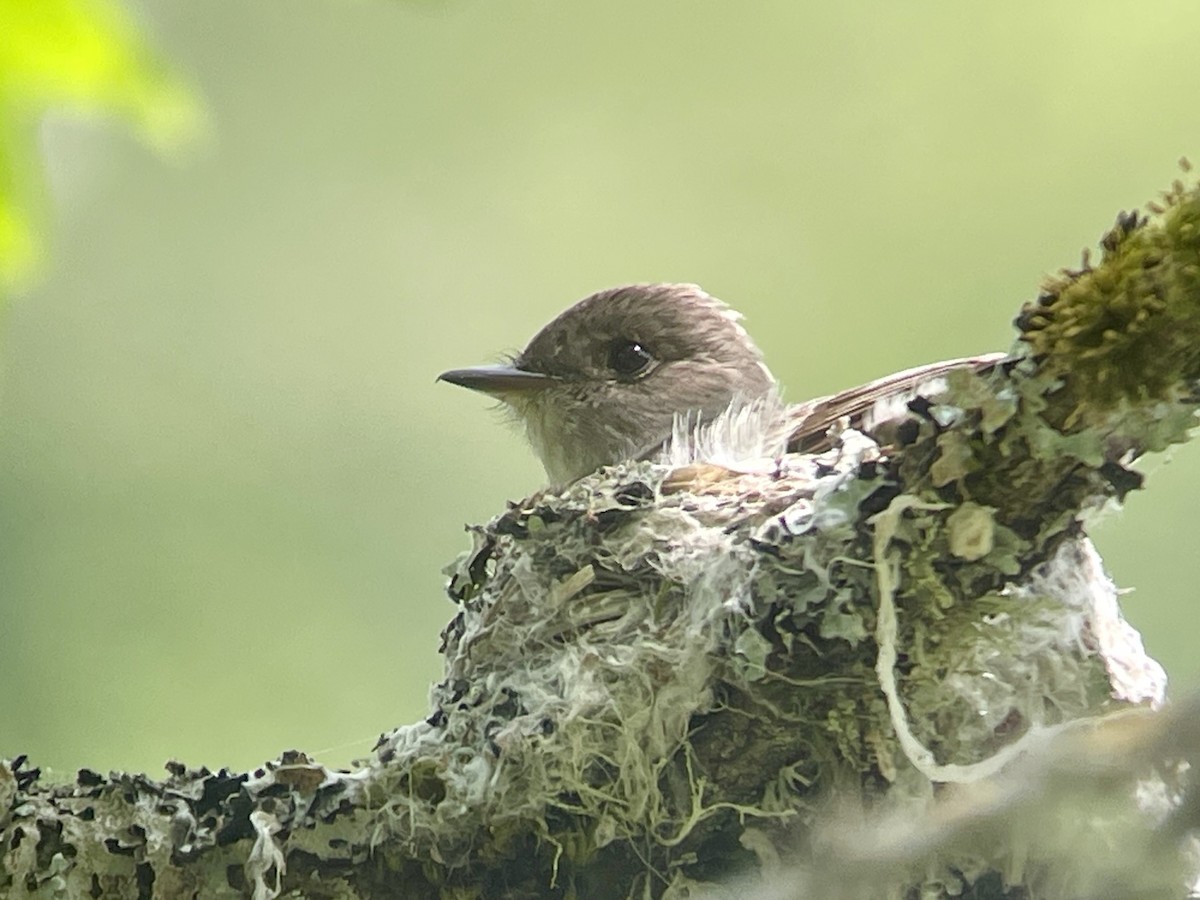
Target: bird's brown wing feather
[[814, 418]]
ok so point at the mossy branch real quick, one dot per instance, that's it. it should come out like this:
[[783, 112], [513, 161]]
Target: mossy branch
[[658, 681]]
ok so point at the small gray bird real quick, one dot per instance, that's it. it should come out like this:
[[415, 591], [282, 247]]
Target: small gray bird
[[648, 369]]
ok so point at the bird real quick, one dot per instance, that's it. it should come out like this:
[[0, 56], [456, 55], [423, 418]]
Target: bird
[[667, 371]]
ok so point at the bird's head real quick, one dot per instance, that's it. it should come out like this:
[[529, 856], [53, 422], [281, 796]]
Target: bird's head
[[606, 380]]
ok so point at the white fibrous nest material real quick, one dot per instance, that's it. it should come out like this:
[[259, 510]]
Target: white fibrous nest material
[[654, 653]]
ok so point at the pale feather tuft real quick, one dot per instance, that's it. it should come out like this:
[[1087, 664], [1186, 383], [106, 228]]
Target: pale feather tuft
[[748, 436]]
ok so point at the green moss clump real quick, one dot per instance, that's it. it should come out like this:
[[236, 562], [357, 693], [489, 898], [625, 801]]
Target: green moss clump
[[1126, 330]]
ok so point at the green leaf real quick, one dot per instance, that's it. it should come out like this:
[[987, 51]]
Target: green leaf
[[84, 56]]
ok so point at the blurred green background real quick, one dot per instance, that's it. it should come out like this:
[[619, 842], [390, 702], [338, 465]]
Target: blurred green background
[[228, 481]]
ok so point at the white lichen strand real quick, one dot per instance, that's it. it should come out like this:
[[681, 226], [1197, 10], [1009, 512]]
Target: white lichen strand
[[1065, 612], [266, 864]]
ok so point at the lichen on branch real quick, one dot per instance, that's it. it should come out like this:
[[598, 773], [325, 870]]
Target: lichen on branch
[[661, 678]]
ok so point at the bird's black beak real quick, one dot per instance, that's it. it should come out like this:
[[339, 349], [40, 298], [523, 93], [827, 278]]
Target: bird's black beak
[[498, 380]]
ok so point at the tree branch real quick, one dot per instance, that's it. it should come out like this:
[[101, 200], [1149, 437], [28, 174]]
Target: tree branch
[[660, 679]]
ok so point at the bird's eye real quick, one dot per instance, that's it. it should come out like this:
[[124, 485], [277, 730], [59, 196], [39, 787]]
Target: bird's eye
[[628, 358]]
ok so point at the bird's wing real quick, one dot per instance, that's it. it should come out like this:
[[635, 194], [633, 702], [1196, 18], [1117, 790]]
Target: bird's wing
[[869, 404]]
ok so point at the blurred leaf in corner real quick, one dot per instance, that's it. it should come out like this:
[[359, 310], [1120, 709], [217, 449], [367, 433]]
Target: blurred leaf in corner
[[85, 57]]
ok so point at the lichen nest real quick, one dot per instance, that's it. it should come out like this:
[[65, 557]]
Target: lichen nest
[[650, 655]]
